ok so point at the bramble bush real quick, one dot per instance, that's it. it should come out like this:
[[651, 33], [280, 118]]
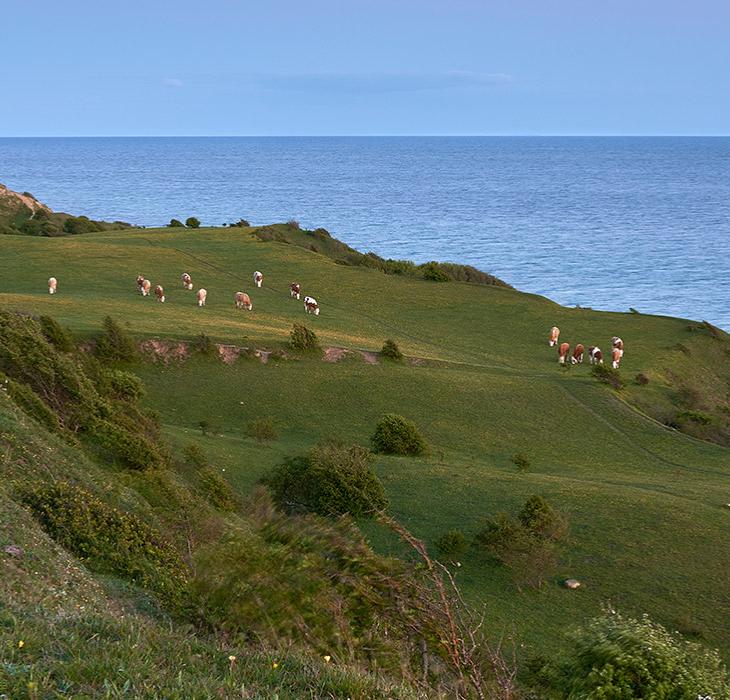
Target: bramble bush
[[115, 343], [452, 545], [125, 385], [397, 435], [608, 375], [262, 429], [302, 339], [56, 334], [391, 350]]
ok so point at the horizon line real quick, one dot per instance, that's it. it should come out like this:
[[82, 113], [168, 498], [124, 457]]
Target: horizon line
[[325, 136]]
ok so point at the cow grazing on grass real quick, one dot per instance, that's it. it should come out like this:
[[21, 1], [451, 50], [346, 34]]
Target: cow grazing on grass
[[258, 278], [617, 343], [52, 285], [563, 352], [311, 306], [243, 301], [554, 335], [140, 282], [595, 355], [577, 358], [295, 290], [202, 296], [160, 293], [616, 354], [145, 288], [187, 281]]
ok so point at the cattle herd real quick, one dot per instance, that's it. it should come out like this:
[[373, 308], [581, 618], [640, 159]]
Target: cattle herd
[[595, 355]]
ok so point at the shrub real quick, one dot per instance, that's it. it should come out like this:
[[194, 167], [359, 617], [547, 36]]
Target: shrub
[[695, 417], [521, 461], [397, 435], [194, 456], [108, 540], [330, 480], [209, 427], [216, 489], [433, 272], [115, 343], [540, 519], [80, 224], [302, 339], [608, 375], [205, 345], [293, 223], [641, 379], [133, 450], [619, 657], [452, 545], [192, 222], [56, 334], [241, 223], [125, 385], [391, 350], [176, 223], [32, 405], [262, 429]]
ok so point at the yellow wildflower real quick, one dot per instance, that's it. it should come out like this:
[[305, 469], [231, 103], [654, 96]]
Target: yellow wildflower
[[21, 644], [327, 658]]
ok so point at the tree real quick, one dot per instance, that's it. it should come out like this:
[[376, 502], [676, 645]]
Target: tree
[[302, 339], [452, 545], [397, 435], [176, 223], [391, 350], [192, 222]]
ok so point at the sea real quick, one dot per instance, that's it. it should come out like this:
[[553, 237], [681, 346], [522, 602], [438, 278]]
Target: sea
[[600, 222]]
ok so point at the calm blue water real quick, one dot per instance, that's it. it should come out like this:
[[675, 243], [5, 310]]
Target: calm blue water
[[602, 222]]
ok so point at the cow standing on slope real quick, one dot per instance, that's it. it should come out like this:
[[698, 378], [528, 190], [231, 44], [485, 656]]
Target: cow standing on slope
[[311, 306], [202, 296], [160, 293], [140, 282], [554, 335], [616, 354], [187, 281], [145, 287], [295, 290], [258, 278], [577, 358], [52, 285], [243, 301], [595, 355], [617, 343], [563, 352]]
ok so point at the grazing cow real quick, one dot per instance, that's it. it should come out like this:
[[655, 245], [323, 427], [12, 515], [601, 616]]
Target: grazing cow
[[52, 284], [187, 281], [595, 355], [563, 351], [145, 288], [258, 278], [554, 335], [243, 301], [577, 357], [311, 306], [140, 282], [616, 354], [295, 289], [160, 293], [616, 342], [202, 295]]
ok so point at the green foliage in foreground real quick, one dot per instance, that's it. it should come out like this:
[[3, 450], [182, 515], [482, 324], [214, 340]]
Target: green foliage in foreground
[[331, 480], [627, 659], [397, 435]]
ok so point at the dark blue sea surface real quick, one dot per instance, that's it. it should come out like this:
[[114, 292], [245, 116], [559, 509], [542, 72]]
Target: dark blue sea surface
[[610, 223]]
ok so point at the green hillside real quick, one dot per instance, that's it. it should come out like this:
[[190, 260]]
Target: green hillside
[[645, 498]]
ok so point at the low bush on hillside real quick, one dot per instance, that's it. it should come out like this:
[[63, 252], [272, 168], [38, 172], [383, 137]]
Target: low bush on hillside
[[262, 429], [432, 271], [331, 480], [125, 385], [521, 461], [452, 545], [391, 351], [241, 223], [620, 657], [57, 335], [132, 450], [641, 379], [115, 343], [209, 426], [608, 375], [204, 345], [397, 435], [81, 224], [192, 222], [526, 544], [303, 339], [32, 405], [108, 540], [176, 223]]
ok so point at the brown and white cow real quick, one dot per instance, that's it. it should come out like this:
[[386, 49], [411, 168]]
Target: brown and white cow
[[140, 281], [616, 354], [202, 296], [160, 293], [554, 335], [52, 285], [616, 342], [145, 288], [595, 355], [295, 290], [243, 301], [563, 352], [258, 278], [311, 306], [187, 281], [577, 358]]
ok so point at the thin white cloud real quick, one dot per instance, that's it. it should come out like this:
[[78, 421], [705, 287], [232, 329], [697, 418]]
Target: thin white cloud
[[172, 82]]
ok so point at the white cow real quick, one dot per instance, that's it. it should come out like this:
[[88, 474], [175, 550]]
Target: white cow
[[160, 293], [52, 285], [311, 306], [243, 301], [145, 288], [187, 281], [258, 278], [202, 295]]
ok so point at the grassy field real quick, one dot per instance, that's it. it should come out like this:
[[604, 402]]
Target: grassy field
[[646, 504]]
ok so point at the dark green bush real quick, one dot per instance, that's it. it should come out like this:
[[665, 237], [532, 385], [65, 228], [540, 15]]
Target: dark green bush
[[540, 519], [108, 540], [302, 339], [216, 490], [208, 426], [641, 379], [521, 461], [397, 435], [452, 545], [262, 429], [56, 334], [176, 223], [241, 223], [695, 417], [195, 456], [330, 480], [125, 385], [81, 224], [115, 343], [133, 450], [433, 272], [205, 345], [32, 405], [608, 375], [391, 350], [192, 222]]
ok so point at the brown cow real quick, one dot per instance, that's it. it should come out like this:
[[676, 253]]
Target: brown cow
[[563, 351], [52, 285], [311, 306], [577, 357], [187, 281], [595, 355], [202, 296], [140, 280], [243, 301], [616, 342], [258, 278], [145, 288], [616, 354], [160, 293], [295, 289], [554, 335]]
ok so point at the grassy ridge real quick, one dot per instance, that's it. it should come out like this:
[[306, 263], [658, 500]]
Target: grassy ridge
[[646, 504]]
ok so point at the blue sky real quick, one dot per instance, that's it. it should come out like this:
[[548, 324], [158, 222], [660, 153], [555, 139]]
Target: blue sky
[[221, 67]]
